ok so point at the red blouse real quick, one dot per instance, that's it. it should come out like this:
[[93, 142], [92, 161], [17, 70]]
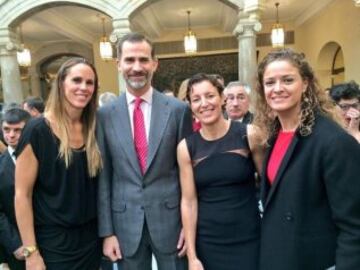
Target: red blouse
[[281, 145]]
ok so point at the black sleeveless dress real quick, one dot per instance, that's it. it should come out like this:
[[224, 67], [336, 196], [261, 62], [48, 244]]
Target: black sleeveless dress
[[228, 221], [64, 203]]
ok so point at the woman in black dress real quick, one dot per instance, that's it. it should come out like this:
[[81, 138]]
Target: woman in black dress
[[218, 205], [55, 187]]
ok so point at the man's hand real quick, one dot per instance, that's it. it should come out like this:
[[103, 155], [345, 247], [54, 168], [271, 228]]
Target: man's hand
[[181, 245], [111, 248], [354, 116], [19, 253]]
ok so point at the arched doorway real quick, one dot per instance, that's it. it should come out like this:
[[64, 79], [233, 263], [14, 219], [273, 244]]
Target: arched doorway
[[48, 70], [331, 66]]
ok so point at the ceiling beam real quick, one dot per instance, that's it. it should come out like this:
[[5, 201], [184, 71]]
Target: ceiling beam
[[311, 11], [149, 23], [66, 27]]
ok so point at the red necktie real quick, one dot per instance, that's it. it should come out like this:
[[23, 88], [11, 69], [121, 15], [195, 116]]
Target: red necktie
[[140, 135]]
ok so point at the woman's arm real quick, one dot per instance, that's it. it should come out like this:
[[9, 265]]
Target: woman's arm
[[25, 176], [257, 150], [189, 206]]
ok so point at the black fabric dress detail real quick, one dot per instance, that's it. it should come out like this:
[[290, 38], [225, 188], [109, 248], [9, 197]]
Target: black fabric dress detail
[[228, 221], [64, 203]]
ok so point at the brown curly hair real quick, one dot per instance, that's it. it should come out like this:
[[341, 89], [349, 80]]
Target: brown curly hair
[[313, 100]]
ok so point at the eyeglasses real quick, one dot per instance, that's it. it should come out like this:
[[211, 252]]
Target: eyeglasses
[[346, 107]]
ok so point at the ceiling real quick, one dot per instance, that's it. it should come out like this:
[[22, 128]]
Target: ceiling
[[164, 19]]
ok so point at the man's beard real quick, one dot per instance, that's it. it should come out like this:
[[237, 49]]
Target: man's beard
[[138, 85]]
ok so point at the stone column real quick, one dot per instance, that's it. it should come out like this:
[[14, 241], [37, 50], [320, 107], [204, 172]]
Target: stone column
[[35, 86], [121, 27], [245, 32], [10, 72]]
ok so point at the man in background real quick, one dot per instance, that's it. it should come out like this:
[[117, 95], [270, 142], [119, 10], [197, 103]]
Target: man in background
[[34, 105], [12, 125], [347, 99], [237, 96]]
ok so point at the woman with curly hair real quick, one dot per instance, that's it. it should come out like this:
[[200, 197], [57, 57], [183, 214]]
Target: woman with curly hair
[[55, 180], [310, 195]]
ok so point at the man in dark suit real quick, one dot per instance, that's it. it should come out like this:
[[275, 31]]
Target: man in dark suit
[[237, 96], [13, 122], [139, 193], [35, 106]]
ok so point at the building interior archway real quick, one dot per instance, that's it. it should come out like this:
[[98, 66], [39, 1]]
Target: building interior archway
[[213, 21]]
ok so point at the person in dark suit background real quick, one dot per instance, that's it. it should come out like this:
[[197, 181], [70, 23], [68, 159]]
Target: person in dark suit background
[[139, 193], [12, 124], [237, 102], [310, 192], [35, 106]]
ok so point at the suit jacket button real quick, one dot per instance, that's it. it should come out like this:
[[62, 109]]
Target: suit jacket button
[[289, 216], [142, 207]]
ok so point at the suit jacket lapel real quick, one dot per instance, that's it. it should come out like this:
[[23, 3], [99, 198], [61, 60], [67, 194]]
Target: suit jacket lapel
[[122, 131], [9, 165], [159, 117], [281, 170], [265, 186]]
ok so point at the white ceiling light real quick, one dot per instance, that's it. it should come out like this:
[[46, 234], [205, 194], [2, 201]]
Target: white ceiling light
[[277, 32], [190, 42], [24, 55], [106, 52]]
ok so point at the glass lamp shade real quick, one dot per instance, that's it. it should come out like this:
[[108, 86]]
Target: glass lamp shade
[[190, 43], [24, 57], [106, 52], [277, 36]]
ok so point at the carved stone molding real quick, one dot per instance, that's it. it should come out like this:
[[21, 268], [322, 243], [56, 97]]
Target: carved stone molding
[[247, 28], [9, 43], [121, 27]]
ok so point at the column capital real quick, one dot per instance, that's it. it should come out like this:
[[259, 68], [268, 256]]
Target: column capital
[[121, 26], [9, 42], [247, 28]]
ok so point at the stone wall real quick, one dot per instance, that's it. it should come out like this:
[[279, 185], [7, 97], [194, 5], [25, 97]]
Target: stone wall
[[172, 71]]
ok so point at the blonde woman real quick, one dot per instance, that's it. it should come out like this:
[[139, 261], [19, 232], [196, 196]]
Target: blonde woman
[[55, 180], [183, 90]]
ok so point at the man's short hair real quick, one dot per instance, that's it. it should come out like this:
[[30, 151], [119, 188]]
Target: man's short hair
[[15, 116], [348, 90], [134, 38], [35, 103], [246, 87]]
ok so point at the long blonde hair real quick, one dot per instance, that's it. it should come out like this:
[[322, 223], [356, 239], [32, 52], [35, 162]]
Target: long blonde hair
[[55, 107], [183, 90], [314, 98]]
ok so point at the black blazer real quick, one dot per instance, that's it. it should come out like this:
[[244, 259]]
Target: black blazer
[[311, 213], [248, 118], [9, 235]]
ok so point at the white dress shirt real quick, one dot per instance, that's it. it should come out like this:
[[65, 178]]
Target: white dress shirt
[[146, 106], [11, 152]]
